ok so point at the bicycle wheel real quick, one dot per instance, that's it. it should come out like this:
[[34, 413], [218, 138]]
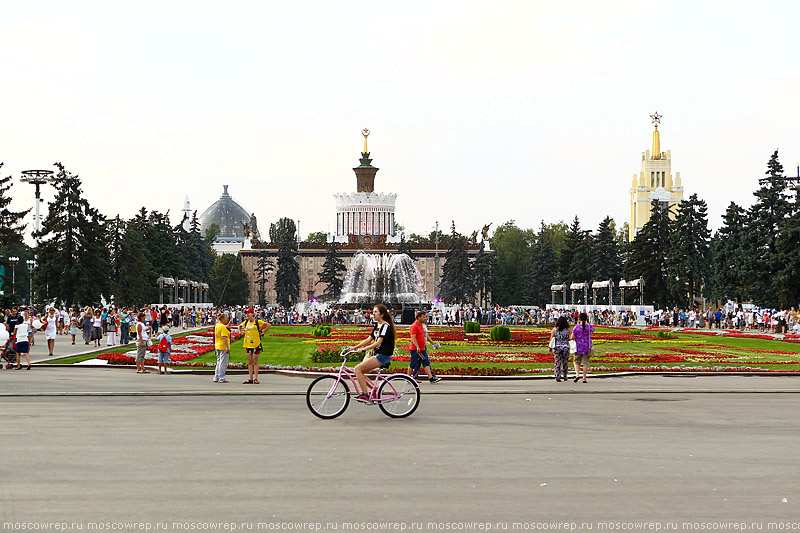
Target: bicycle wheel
[[398, 396], [327, 398]]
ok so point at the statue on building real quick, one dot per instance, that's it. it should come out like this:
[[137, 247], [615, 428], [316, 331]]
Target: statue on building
[[474, 237], [485, 232]]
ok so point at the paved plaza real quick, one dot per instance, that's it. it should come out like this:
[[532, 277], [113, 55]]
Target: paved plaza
[[110, 447]]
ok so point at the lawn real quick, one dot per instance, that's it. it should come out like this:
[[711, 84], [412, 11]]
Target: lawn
[[615, 350]]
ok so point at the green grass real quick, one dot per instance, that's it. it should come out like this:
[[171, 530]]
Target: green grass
[[291, 351]]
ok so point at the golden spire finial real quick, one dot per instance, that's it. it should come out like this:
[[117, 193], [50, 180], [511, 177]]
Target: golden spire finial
[[365, 133], [656, 154]]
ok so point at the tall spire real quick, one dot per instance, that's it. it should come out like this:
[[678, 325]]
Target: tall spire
[[656, 153], [365, 172]]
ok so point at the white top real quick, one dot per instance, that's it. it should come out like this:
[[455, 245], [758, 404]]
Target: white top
[[144, 335], [97, 322], [50, 328], [22, 332]]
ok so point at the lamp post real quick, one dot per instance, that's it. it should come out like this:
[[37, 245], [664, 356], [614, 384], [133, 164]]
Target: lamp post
[[14, 260], [37, 178], [31, 265]]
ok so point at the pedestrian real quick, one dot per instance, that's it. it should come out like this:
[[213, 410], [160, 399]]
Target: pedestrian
[[88, 318], [381, 340], [51, 328], [582, 335], [73, 324], [142, 336], [559, 346], [222, 345], [22, 345], [97, 328], [418, 348], [254, 330], [111, 326], [164, 349], [124, 326]]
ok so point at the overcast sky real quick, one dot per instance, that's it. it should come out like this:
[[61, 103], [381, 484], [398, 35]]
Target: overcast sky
[[479, 111]]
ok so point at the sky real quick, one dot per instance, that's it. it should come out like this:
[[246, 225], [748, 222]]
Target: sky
[[480, 112]]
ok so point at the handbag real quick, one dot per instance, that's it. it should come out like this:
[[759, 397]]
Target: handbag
[[590, 353], [552, 343], [573, 347]]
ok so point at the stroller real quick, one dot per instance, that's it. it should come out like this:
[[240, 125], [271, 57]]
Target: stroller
[[8, 353]]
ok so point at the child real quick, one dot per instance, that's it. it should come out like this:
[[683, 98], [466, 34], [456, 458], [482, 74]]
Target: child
[[163, 341]]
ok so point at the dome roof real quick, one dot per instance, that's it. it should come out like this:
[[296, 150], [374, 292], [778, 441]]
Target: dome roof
[[228, 215]]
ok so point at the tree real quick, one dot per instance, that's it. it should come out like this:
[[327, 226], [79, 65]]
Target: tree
[[573, 239], [264, 267], [73, 258], [11, 226], [729, 256], [137, 285], [766, 219], [318, 237], [607, 253], [649, 251], [787, 277], [512, 245], [331, 275], [115, 229], [287, 279], [282, 230], [690, 249], [229, 284], [542, 269], [457, 285], [581, 268], [485, 270]]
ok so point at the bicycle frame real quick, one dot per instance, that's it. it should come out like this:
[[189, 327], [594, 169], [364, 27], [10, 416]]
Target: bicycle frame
[[350, 373]]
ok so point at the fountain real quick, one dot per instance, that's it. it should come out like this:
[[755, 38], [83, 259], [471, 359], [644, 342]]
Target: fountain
[[382, 278]]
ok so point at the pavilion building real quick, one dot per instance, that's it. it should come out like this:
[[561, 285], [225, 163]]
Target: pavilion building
[[655, 181]]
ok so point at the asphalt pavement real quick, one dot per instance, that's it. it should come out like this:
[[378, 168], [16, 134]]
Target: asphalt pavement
[[175, 452]]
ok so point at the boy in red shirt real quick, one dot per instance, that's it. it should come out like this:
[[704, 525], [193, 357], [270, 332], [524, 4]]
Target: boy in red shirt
[[419, 355]]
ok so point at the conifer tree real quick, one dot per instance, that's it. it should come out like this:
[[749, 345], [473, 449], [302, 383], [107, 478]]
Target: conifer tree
[[11, 226], [332, 274], [766, 219], [607, 254], [729, 256], [542, 270], [287, 279], [572, 241], [457, 285], [138, 280], [648, 259], [690, 250], [72, 254]]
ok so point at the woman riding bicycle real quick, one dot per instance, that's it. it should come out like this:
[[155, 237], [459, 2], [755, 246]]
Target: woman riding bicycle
[[382, 341]]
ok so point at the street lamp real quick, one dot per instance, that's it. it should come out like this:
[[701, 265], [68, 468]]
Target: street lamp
[[31, 265], [14, 260], [37, 178]]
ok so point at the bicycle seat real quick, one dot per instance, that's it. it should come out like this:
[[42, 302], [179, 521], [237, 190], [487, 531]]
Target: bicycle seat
[[385, 366]]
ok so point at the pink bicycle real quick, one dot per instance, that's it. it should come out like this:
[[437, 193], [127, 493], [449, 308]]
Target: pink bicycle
[[397, 395]]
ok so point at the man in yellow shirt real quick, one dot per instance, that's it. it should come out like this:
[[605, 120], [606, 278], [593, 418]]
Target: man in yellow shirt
[[222, 344], [253, 331]]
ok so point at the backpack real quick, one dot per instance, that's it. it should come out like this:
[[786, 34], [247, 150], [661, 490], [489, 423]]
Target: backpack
[[163, 346]]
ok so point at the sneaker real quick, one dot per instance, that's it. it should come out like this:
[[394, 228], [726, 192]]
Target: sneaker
[[363, 398], [216, 381], [436, 379], [223, 381]]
